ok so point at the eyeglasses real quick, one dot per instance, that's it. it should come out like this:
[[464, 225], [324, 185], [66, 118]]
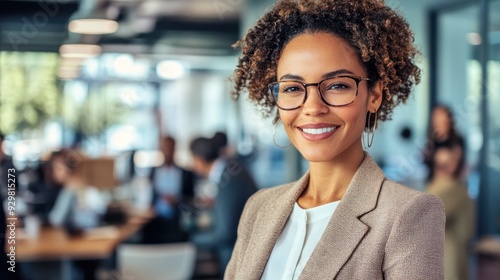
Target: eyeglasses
[[337, 91]]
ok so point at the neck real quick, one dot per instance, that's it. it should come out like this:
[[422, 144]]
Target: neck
[[168, 164], [328, 181]]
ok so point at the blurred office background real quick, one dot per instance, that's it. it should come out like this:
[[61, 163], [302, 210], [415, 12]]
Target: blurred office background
[[164, 67]]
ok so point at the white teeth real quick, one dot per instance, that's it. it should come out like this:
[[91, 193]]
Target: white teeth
[[319, 130]]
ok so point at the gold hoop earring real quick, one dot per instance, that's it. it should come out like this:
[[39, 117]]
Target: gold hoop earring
[[370, 134], [274, 136]]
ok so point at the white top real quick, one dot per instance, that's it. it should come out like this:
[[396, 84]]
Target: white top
[[167, 181], [81, 207], [215, 174], [297, 241], [62, 207]]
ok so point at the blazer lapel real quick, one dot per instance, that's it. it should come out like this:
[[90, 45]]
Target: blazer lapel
[[270, 220], [345, 230]]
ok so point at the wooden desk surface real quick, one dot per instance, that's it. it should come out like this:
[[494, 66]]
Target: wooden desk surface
[[55, 244], [489, 245]]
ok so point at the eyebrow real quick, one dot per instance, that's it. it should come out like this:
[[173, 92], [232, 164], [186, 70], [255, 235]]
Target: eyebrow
[[325, 76]]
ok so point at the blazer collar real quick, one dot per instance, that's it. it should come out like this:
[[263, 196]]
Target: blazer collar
[[269, 224], [345, 229], [342, 235]]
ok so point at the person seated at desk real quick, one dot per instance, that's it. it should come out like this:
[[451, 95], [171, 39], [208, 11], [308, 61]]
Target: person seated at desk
[[73, 210], [171, 186], [234, 187]]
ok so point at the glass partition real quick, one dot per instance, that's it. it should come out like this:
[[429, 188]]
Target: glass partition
[[466, 48], [493, 91]]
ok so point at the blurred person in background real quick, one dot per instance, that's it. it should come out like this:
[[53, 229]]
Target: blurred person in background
[[234, 186], [72, 209], [442, 132], [220, 142], [459, 209], [171, 186], [52, 181], [65, 211], [5, 164], [330, 70]]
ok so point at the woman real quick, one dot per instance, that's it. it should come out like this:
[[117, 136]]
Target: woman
[[442, 133], [334, 68], [459, 210]]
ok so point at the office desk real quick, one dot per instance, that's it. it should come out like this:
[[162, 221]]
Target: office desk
[[56, 244], [488, 257]]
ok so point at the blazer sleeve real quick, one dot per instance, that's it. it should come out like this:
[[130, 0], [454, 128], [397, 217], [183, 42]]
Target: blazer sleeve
[[415, 246], [244, 227]]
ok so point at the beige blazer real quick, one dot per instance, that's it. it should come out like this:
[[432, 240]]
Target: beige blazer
[[380, 230]]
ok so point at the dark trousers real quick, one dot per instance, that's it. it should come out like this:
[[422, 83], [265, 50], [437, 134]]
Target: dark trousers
[[163, 230], [88, 268]]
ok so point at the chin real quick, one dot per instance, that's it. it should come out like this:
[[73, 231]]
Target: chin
[[317, 155], [329, 153]]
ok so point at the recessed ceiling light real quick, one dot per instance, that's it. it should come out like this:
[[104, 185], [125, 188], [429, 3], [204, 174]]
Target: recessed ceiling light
[[93, 26], [71, 61]]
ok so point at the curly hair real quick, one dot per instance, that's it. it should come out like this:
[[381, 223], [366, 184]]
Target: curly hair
[[380, 36]]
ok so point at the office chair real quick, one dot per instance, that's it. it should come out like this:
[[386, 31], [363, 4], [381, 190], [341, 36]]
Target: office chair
[[173, 261]]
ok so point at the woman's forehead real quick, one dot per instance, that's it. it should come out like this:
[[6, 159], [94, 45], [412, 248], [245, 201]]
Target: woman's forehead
[[320, 53]]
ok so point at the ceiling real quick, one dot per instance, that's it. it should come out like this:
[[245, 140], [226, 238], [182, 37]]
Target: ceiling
[[187, 27], [197, 27]]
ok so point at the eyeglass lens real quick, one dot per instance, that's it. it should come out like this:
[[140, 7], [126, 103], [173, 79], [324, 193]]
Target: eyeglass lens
[[337, 91]]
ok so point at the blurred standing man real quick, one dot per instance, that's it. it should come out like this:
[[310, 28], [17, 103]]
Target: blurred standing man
[[171, 186], [235, 186]]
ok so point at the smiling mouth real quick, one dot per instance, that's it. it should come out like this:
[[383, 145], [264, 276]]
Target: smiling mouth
[[317, 131]]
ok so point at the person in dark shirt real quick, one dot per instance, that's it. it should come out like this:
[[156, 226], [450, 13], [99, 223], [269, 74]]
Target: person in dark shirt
[[234, 187], [171, 187]]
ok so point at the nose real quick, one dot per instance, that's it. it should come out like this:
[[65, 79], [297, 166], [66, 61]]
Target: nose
[[314, 105]]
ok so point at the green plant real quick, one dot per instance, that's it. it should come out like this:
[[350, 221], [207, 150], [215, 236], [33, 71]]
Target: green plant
[[28, 90]]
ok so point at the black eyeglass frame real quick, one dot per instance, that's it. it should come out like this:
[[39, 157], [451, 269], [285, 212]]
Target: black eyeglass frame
[[357, 79]]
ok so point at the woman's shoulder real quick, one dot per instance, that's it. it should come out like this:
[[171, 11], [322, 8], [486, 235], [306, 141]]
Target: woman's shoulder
[[267, 195], [396, 195], [403, 206]]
